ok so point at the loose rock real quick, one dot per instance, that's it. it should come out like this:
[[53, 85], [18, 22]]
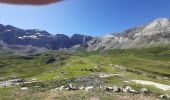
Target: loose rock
[[145, 91], [164, 96], [88, 88], [24, 88]]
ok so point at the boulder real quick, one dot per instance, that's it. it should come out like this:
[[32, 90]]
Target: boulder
[[70, 87], [24, 89], [89, 88], [145, 91], [115, 89], [120, 89], [164, 96], [124, 91], [61, 88], [109, 89], [57, 88], [133, 92], [66, 88], [130, 90], [81, 88]]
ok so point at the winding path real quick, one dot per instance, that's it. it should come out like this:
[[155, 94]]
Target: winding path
[[158, 85]]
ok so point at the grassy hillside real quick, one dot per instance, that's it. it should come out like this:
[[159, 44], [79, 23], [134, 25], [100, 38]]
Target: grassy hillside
[[153, 59], [54, 69]]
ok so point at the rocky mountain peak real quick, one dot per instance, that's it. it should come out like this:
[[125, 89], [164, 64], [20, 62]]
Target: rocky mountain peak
[[158, 23], [156, 32]]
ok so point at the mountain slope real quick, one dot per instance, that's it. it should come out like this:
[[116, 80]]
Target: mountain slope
[[156, 32], [20, 50], [15, 36]]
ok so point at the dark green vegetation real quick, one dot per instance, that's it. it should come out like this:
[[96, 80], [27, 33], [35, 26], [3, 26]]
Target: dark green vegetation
[[54, 69], [12, 66], [153, 59]]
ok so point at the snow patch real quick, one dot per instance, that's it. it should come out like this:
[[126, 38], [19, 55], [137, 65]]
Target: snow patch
[[8, 30], [31, 36]]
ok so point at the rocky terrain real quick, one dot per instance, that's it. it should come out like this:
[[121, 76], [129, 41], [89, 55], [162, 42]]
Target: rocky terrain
[[153, 33], [131, 65]]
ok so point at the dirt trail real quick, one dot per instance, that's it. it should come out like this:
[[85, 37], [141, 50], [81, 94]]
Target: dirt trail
[[158, 85]]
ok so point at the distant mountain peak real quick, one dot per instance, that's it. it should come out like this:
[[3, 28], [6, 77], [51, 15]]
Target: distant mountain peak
[[158, 23], [154, 33], [161, 19], [15, 36]]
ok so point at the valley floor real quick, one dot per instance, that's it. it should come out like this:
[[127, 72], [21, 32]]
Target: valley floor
[[47, 76]]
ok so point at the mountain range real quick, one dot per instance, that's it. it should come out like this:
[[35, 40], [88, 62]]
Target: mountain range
[[153, 33], [129, 65], [34, 37]]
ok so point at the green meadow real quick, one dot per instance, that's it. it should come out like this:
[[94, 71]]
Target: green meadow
[[72, 67]]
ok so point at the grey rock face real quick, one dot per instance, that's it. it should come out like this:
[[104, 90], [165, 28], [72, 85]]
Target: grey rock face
[[156, 32]]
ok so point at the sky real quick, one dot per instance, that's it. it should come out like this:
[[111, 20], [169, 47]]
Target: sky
[[89, 17]]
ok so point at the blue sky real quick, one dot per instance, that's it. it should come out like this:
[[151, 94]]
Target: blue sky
[[91, 17]]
